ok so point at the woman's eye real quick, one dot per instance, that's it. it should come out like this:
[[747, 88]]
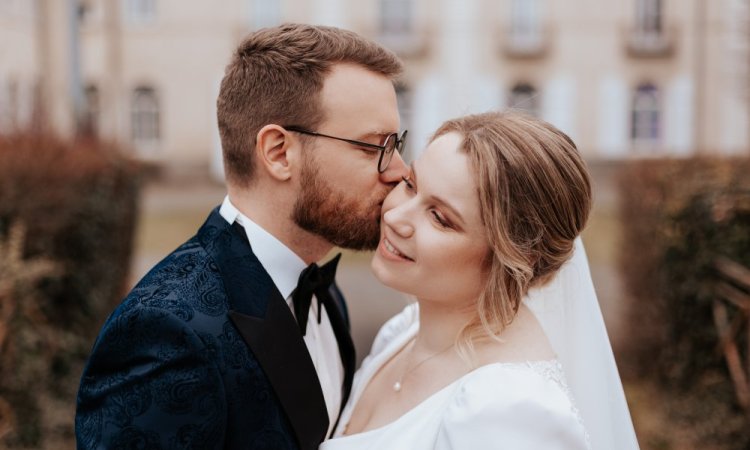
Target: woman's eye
[[408, 183], [440, 220]]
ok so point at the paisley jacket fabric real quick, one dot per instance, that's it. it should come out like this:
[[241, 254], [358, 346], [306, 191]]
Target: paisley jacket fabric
[[204, 353]]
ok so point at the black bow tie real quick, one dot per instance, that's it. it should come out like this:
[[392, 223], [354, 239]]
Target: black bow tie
[[314, 280]]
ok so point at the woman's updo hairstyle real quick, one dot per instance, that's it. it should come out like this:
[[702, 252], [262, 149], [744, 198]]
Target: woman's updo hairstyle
[[535, 196]]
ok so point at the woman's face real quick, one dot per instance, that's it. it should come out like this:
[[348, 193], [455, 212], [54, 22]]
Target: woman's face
[[432, 241]]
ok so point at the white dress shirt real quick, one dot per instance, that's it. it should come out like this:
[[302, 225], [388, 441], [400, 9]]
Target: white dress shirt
[[284, 268]]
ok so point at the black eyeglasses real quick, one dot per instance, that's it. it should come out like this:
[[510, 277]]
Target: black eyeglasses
[[392, 142]]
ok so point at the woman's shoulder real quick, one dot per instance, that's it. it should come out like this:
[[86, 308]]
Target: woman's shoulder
[[525, 403], [509, 382]]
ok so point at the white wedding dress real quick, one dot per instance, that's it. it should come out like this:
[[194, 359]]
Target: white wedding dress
[[497, 406], [573, 402]]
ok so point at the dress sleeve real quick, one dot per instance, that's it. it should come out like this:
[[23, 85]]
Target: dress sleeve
[[501, 407]]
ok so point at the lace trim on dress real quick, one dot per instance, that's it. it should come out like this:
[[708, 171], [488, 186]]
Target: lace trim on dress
[[553, 371]]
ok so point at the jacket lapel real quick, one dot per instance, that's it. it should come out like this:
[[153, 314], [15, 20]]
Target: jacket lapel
[[267, 326], [289, 369], [340, 324]]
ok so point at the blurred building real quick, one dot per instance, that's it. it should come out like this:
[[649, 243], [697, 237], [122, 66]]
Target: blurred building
[[623, 77]]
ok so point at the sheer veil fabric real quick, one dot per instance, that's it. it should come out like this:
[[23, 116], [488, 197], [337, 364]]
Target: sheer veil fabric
[[569, 313]]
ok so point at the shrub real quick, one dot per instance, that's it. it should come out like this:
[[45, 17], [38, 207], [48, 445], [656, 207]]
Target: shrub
[[678, 217], [70, 210]]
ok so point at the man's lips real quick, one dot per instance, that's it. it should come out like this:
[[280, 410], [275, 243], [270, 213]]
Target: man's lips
[[390, 250]]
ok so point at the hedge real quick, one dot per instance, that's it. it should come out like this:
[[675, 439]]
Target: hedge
[[678, 217], [67, 217]]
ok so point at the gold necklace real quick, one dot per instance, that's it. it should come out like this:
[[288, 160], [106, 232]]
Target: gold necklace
[[397, 385]]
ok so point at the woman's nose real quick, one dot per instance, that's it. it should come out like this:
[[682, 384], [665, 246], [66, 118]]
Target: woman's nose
[[397, 219]]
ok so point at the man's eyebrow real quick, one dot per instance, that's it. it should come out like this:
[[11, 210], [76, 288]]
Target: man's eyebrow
[[438, 199], [381, 135], [382, 132]]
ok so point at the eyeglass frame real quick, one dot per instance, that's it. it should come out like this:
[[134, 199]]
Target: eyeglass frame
[[398, 146]]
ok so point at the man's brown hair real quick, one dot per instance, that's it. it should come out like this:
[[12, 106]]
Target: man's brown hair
[[276, 75]]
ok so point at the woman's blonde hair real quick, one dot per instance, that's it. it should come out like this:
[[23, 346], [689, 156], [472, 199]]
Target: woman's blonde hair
[[535, 196]]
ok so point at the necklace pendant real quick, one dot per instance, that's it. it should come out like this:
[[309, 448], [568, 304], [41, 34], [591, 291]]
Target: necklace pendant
[[397, 386]]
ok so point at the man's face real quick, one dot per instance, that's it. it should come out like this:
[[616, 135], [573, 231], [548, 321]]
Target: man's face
[[341, 191]]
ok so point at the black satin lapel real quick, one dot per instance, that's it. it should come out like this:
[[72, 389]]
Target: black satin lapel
[[277, 345], [346, 346]]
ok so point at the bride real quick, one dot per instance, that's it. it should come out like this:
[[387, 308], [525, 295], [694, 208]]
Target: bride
[[505, 346]]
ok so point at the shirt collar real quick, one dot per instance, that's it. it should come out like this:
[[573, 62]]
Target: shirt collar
[[281, 263]]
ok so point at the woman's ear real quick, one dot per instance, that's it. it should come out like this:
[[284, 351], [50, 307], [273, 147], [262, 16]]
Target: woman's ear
[[273, 145]]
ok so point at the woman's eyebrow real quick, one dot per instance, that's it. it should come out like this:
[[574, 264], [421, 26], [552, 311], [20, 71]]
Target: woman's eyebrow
[[438, 199]]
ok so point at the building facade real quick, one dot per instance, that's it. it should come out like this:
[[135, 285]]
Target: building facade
[[632, 78]]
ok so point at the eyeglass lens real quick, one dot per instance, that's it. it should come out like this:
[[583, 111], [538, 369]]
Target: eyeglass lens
[[387, 154]]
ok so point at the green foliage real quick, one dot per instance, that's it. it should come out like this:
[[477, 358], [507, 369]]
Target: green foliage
[[67, 218], [678, 217]]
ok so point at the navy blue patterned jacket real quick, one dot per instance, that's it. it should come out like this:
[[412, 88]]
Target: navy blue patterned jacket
[[204, 353]]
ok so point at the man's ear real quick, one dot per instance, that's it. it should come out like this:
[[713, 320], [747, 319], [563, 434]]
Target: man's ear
[[273, 145]]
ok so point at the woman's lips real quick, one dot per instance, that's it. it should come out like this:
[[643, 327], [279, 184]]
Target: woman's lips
[[390, 251]]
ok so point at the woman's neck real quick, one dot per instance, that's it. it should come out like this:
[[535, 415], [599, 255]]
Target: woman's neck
[[440, 324]]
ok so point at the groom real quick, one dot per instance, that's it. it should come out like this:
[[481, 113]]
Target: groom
[[236, 339]]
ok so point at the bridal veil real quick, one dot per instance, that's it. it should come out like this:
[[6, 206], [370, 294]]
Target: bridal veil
[[569, 313]]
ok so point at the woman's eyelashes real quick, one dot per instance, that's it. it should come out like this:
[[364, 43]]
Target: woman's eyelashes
[[407, 181], [441, 221]]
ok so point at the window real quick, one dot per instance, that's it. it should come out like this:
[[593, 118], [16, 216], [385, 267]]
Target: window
[[526, 35], [264, 13], [648, 16], [396, 16], [91, 11], [9, 99], [145, 117], [140, 11], [646, 116], [525, 23], [90, 124], [85, 11], [523, 97]]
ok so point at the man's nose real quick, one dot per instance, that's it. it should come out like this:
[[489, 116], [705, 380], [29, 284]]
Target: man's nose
[[396, 170]]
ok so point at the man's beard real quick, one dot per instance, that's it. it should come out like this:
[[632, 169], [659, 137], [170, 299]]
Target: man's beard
[[346, 223]]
